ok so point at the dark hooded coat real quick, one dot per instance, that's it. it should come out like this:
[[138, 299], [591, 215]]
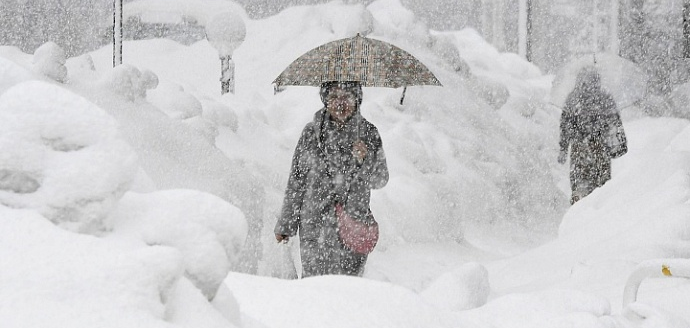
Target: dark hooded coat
[[589, 115], [324, 172]]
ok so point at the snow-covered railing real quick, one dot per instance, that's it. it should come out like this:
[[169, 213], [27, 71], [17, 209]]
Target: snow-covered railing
[[679, 268]]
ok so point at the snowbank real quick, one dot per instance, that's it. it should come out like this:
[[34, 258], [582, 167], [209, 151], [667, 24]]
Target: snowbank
[[62, 156], [334, 301], [12, 74], [207, 231], [52, 277]]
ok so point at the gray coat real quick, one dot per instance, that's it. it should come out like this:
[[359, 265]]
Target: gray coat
[[587, 118], [324, 172]]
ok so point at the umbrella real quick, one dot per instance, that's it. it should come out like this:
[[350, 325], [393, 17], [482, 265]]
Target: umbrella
[[371, 62], [620, 77]]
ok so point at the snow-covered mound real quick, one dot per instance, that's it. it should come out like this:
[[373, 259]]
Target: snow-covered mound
[[56, 278], [62, 156], [12, 73], [208, 231]]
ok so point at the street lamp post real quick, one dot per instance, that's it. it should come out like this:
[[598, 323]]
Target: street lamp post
[[117, 32], [225, 32]]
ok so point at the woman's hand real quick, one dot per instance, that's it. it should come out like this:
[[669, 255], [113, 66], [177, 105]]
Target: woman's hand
[[282, 238], [359, 150]]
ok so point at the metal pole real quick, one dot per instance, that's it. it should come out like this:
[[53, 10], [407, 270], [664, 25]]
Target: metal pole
[[595, 27], [525, 29], [686, 33], [225, 75], [117, 32]]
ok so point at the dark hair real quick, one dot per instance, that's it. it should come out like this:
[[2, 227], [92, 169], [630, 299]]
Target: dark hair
[[352, 86]]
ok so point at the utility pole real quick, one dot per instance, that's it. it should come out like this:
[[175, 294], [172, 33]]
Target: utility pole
[[686, 29], [525, 29], [117, 32]]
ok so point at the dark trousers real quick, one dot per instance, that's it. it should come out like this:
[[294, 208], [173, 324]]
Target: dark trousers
[[590, 167], [323, 257]]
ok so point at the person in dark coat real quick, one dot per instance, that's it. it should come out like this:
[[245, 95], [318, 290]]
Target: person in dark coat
[[339, 159], [587, 119]]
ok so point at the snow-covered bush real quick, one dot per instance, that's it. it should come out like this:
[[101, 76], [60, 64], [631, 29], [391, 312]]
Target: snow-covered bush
[[172, 99], [208, 231], [61, 155], [398, 23], [493, 93], [206, 128], [219, 113], [149, 81], [129, 82], [347, 20], [444, 48], [49, 60]]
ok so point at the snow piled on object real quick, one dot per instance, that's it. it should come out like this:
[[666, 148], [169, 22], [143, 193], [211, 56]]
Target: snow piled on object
[[173, 11], [174, 101], [49, 60], [225, 32], [129, 82], [62, 156], [208, 231]]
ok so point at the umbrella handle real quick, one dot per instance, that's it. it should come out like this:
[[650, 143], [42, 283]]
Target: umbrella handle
[[403, 95]]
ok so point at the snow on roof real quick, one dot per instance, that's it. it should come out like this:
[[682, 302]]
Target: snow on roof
[[177, 11]]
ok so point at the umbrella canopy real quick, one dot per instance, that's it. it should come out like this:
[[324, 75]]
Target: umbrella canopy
[[371, 62], [626, 82]]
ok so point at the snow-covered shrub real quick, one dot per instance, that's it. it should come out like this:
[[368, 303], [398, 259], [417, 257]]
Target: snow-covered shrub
[[219, 114], [129, 82], [398, 23], [149, 81], [444, 48], [208, 231], [462, 289], [493, 93], [206, 128], [347, 20], [49, 60], [174, 101], [61, 155]]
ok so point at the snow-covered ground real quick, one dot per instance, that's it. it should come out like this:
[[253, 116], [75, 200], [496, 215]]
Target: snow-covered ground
[[129, 197]]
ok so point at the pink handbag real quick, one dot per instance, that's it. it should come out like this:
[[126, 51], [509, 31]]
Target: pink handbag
[[357, 236]]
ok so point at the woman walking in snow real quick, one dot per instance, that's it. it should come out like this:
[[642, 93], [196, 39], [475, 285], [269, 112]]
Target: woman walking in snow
[[338, 160], [587, 120]]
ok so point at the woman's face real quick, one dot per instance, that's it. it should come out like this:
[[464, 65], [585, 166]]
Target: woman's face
[[340, 103]]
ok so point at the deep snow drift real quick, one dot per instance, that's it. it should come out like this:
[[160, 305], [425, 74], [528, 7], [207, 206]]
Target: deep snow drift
[[129, 194]]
